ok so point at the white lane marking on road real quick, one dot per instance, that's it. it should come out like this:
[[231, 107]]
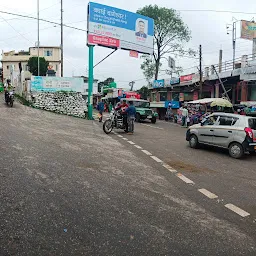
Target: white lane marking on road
[[125, 139], [207, 193], [156, 159], [137, 146], [184, 178], [169, 168], [237, 210], [120, 136], [131, 142], [153, 126], [146, 152]]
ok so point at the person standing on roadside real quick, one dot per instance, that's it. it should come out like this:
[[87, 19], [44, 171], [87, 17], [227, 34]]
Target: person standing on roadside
[[100, 108], [131, 112], [184, 116]]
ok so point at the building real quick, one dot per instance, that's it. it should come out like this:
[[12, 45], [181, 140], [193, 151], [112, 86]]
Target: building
[[12, 61], [239, 83]]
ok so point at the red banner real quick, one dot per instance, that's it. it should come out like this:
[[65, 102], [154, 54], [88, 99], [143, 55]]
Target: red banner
[[134, 54], [134, 95], [186, 78], [102, 40]]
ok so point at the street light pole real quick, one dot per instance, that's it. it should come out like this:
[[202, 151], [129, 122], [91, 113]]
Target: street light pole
[[38, 62]]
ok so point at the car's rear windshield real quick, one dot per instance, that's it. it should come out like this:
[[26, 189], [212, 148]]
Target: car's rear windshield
[[252, 123]]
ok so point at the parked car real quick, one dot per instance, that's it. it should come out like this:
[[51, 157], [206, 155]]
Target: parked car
[[236, 133], [143, 111]]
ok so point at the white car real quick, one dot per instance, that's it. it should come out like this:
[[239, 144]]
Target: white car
[[236, 133]]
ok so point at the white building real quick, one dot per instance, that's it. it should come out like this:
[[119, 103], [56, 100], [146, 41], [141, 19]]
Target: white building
[[12, 60]]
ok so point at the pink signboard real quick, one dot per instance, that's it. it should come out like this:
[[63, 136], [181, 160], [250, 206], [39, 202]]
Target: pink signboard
[[103, 40]]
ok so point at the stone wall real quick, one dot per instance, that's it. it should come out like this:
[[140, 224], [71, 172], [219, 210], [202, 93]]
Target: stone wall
[[66, 103]]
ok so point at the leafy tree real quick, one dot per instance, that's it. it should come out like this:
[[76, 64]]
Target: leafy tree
[[144, 92], [33, 66], [170, 35]]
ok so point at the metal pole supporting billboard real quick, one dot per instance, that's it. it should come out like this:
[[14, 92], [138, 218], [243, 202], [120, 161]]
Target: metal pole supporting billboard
[[234, 42], [200, 72], [38, 60], [61, 44], [90, 87]]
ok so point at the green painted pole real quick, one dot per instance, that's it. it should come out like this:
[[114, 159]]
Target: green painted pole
[[90, 87]]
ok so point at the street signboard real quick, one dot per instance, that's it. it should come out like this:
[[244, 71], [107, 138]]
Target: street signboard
[[171, 63], [158, 83], [248, 30], [54, 84], [116, 28]]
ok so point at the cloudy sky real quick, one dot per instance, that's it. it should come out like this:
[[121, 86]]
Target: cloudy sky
[[208, 29]]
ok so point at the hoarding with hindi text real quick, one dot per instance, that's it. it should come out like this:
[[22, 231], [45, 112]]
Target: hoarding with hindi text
[[116, 28]]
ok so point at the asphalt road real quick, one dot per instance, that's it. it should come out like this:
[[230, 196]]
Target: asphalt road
[[66, 188]]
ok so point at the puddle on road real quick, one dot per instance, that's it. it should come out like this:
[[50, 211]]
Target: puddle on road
[[183, 166]]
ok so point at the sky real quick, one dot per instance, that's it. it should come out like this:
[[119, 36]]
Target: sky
[[207, 28]]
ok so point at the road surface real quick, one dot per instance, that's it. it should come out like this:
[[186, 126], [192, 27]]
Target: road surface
[[66, 188]]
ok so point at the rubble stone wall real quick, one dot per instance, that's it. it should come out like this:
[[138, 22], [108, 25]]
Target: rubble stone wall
[[66, 103]]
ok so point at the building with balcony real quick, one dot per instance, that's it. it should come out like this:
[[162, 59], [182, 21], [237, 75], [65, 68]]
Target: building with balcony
[[15, 61]]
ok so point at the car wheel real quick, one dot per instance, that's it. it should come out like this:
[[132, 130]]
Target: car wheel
[[153, 120], [193, 141], [236, 150], [137, 117]]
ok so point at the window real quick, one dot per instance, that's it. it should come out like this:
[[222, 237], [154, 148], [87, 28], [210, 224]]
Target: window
[[227, 120], [7, 66], [56, 68], [211, 120], [163, 96], [252, 123], [47, 52]]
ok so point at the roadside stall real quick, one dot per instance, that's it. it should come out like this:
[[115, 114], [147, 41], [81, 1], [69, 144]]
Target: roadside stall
[[198, 109]]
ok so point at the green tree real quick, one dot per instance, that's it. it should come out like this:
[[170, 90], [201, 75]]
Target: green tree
[[170, 35], [144, 92], [33, 66]]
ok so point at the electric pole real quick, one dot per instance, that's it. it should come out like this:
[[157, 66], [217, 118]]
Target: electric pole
[[131, 84], [200, 72], [61, 44]]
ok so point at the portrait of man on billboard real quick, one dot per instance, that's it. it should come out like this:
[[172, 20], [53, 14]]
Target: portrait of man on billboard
[[141, 30]]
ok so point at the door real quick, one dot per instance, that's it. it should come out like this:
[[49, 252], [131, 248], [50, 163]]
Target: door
[[224, 131], [205, 132]]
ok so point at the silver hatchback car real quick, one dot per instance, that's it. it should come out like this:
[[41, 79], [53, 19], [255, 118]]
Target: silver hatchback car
[[236, 133]]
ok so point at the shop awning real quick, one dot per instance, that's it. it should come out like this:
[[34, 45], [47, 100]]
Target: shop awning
[[202, 101]]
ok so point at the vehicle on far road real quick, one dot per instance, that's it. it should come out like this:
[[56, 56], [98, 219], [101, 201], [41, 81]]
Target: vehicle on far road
[[9, 99], [236, 133], [143, 111]]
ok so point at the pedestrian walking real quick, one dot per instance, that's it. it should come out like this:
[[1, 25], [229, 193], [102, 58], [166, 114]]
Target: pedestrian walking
[[131, 112], [100, 108]]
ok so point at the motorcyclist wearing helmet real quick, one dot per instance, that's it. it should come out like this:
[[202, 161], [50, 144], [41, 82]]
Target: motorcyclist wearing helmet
[[7, 88]]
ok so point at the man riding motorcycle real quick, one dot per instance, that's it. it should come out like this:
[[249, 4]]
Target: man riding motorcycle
[[122, 108], [8, 89]]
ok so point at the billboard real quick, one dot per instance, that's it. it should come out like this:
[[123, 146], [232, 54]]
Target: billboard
[[116, 28], [248, 30], [54, 84], [158, 83]]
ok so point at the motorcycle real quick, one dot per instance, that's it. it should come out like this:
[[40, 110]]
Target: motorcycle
[[9, 99], [115, 120]]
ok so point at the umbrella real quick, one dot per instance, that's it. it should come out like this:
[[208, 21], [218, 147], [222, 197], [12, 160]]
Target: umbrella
[[220, 102]]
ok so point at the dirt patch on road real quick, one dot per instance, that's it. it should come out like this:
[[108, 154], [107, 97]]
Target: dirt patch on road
[[183, 166]]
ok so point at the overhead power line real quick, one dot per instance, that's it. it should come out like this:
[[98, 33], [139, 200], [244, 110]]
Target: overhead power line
[[219, 11]]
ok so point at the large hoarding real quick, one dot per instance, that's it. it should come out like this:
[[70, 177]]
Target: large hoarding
[[116, 28], [248, 30], [54, 84]]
